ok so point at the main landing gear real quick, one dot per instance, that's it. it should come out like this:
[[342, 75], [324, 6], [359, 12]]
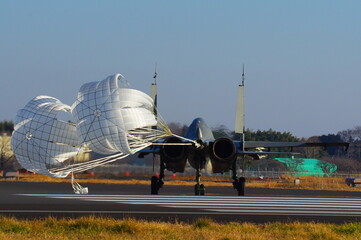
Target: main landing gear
[[238, 183], [157, 182], [199, 190]]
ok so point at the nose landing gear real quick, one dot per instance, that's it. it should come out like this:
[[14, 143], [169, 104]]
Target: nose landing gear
[[199, 189]]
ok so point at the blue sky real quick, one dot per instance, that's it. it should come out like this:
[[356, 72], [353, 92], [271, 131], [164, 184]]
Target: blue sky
[[302, 58]]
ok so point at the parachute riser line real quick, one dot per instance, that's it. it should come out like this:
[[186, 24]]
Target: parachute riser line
[[196, 144], [172, 144], [81, 167], [78, 189]]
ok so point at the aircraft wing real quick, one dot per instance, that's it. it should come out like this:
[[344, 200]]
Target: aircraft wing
[[253, 148], [254, 145], [260, 144], [267, 153]]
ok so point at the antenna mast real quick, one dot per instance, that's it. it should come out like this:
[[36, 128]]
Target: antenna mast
[[243, 77], [155, 74]]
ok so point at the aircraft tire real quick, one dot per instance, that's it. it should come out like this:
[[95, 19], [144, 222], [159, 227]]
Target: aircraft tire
[[202, 190], [196, 190], [199, 190], [241, 186], [154, 185]]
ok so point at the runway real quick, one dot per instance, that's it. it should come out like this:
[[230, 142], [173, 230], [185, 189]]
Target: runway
[[33, 202]]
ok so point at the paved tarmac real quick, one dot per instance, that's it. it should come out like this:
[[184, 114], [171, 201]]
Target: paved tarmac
[[34, 200]]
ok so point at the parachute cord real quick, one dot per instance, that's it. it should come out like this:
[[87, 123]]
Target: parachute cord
[[78, 189], [187, 139], [172, 144]]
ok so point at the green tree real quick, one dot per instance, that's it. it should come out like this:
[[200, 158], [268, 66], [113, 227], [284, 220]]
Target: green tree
[[7, 158], [221, 131], [332, 138], [353, 136], [6, 127], [269, 135]]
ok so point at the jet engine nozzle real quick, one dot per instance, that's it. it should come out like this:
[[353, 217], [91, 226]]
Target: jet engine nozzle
[[174, 156], [222, 153]]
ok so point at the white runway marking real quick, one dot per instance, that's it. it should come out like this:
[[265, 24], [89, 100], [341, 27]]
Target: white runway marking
[[232, 205]]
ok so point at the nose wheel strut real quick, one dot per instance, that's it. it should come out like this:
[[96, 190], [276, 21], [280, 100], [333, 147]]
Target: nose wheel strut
[[199, 188], [238, 183]]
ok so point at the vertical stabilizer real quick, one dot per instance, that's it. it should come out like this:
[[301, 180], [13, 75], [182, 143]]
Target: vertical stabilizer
[[239, 126], [153, 92]]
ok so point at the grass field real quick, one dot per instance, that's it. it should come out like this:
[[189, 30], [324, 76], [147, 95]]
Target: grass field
[[107, 228]]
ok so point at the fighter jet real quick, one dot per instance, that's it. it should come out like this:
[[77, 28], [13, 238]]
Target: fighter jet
[[221, 153]]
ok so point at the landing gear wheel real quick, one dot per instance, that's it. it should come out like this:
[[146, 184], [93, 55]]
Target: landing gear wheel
[[196, 190], [154, 185], [241, 186], [202, 190], [157, 182], [238, 183], [199, 189]]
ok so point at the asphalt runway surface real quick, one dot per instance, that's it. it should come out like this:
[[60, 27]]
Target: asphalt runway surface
[[178, 203]]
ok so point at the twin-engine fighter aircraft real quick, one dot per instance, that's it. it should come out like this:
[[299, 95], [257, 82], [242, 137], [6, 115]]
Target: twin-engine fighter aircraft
[[222, 152]]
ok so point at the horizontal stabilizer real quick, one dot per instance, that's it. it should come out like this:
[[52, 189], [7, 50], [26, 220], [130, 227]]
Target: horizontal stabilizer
[[266, 153], [258, 144]]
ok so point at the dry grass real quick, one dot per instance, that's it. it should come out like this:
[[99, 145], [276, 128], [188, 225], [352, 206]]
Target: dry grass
[[285, 182], [107, 228], [306, 182]]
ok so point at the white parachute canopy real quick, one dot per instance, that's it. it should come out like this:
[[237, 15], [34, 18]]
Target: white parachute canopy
[[112, 119], [40, 141]]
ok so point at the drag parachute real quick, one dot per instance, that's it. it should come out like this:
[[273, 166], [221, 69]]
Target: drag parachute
[[109, 119], [40, 141]]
